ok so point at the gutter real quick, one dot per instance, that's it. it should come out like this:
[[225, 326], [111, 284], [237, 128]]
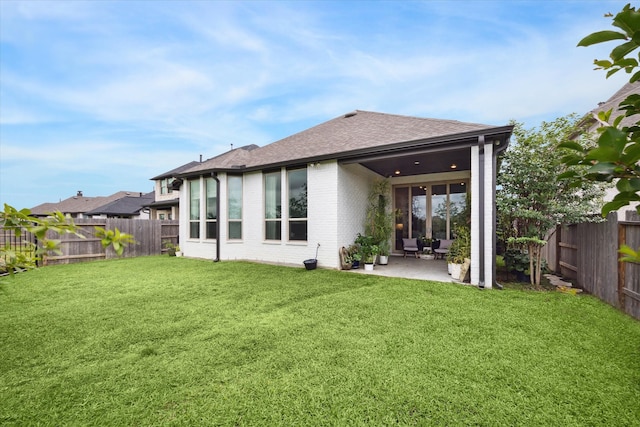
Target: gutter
[[481, 208], [214, 175], [497, 149]]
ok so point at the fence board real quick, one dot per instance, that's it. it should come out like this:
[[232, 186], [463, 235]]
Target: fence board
[[588, 254], [149, 236]]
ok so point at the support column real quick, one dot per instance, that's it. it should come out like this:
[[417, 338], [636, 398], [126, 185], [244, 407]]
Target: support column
[[482, 214]]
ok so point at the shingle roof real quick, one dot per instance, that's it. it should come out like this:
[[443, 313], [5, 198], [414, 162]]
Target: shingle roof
[[614, 101], [125, 206], [174, 172], [351, 132], [79, 204]]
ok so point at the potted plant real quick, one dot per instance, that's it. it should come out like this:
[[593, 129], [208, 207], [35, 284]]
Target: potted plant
[[178, 251], [459, 251], [356, 257], [368, 250], [170, 247], [380, 218]]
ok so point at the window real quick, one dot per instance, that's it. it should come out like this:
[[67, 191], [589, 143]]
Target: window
[[297, 181], [165, 186], [272, 206], [212, 208], [234, 202], [194, 209]]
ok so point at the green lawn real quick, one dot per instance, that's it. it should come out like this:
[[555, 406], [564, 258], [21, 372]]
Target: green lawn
[[175, 341]]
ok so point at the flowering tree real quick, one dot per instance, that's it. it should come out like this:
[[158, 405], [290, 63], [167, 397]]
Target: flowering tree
[[531, 199]]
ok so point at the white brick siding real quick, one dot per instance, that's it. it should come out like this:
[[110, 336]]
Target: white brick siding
[[336, 207]]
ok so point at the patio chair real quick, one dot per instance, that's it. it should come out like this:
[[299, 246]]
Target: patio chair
[[410, 246], [443, 249]]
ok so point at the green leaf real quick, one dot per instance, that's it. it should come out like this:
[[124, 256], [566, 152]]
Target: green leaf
[[601, 37], [629, 254], [631, 154], [628, 20], [571, 145], [603, 63], [628, 185], [619, 52], [635, 77], [612, 206], [603, 154], [602, 168], [612, 71], [614, 138]]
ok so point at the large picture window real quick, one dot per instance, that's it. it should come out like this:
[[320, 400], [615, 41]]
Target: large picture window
[[194, 209], [234, 203], [211, 208], [273, 206], [297, 186]]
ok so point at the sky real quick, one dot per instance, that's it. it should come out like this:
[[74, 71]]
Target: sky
[[101, 96]]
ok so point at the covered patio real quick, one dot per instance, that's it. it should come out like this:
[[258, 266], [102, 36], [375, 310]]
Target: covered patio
[[412, 268]]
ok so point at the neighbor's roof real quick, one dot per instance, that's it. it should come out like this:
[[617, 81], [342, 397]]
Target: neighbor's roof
[[352, 132], [125, 206], [80, 204], [613, 103]]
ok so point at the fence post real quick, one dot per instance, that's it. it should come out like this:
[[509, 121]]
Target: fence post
[[622, 240], [558, 240]]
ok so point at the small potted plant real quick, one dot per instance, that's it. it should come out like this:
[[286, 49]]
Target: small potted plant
[[368, 249], [170, 247], [459, 251]]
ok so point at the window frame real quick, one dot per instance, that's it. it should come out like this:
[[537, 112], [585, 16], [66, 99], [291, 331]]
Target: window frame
[[194, 219], [210, 223], [297, 219], [234, 221], [277, 219]]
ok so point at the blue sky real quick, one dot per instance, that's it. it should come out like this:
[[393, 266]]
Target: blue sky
[[101, 96]]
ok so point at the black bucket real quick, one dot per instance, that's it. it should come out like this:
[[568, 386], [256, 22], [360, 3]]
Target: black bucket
[[310, 264]]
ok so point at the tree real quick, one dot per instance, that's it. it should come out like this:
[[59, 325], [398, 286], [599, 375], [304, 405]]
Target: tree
[[616, 154], [20, 221], [531, 199]]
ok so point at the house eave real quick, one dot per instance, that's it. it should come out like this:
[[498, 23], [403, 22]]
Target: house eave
[[433, 144]]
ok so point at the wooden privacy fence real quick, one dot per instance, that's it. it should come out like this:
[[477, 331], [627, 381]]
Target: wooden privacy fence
[[588, 255], [150, 236]]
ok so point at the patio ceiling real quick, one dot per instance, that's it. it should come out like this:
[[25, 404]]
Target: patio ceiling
[[420, 163]]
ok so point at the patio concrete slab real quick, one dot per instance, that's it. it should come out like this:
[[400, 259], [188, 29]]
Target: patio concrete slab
[[412, 268]]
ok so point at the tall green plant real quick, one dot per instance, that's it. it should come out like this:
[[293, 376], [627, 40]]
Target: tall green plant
[[532, 199], [379, 221], [616, 155]]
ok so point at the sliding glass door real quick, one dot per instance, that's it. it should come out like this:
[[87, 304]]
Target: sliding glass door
[[430, 210]]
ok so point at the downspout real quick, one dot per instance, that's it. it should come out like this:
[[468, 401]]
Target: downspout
[[214, 175], [481, 209], [497, 149]]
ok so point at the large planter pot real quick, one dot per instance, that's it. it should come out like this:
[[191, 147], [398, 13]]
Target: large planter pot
[[310, 264], [383, 259], [368, 267], [455, 271], [449, 265], [355, 265]]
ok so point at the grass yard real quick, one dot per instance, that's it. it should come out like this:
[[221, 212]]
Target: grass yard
[[174, 341]]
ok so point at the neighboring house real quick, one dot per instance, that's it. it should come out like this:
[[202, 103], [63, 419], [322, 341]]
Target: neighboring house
[[278, 202], [167, 194], [79, 205], [590, 123], [126, 207]]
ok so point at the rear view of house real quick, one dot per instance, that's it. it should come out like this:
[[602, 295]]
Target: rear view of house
[[278, 202]]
